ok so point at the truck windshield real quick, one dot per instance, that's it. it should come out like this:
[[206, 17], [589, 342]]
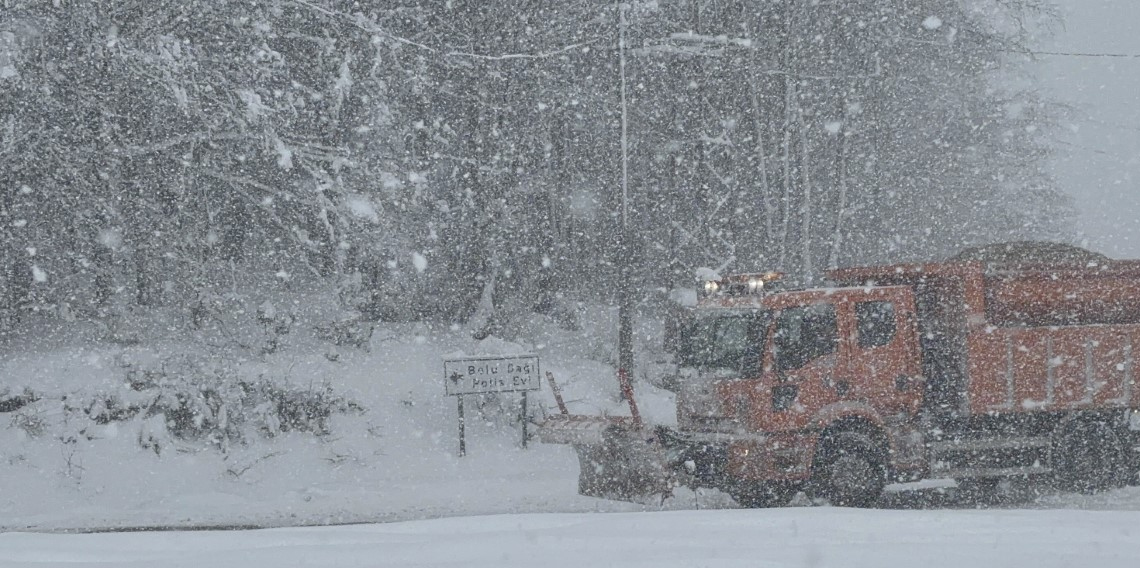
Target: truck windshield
[[731, 341]]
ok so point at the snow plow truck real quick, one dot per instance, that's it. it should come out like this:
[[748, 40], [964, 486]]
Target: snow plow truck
[[1007, 361]]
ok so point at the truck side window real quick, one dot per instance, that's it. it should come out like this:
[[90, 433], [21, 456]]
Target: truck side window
[[804, 334], [875, 322]]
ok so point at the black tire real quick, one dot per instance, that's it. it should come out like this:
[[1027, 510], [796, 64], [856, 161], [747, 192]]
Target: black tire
[[849, 470], [1132, 472], [1132, 459], [978, 490], [1089, 457], [758, 495]]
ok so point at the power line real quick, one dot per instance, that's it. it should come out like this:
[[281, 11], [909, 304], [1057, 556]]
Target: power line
[[1107, 124], [1078, 54], [1119, 159]]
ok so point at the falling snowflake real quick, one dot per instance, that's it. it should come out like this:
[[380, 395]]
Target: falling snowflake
[[284, 154], [419, 262], [932, 22], [110, 238], [361, 207]]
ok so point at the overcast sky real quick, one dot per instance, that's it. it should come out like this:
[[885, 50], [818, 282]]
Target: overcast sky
[[1098, 160]]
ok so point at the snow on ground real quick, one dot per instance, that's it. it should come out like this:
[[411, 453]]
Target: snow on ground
[[797, 537], [395, 462], [396, 459]]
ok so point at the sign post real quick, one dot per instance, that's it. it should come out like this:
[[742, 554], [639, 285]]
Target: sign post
[[522, 419], [485, 375], [462, 434]]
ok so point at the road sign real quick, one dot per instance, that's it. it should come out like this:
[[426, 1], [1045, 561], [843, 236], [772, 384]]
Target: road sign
[[483, 375], [479, 375]]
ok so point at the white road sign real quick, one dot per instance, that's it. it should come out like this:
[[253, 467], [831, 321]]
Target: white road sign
[[477, 375]]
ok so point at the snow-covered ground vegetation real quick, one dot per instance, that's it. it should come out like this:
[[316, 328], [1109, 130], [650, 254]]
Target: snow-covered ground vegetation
[[167, 432], [206, 426]]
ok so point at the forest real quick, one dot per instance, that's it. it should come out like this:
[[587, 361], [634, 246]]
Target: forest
[[451, 160]]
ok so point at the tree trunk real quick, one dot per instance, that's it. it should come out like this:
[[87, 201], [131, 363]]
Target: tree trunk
[[806, 200], [841, 200], [786, 206]]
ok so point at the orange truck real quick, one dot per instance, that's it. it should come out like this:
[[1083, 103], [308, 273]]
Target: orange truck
[[1014, 361]]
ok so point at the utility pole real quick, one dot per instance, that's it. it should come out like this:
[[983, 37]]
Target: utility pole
[[625, 295]]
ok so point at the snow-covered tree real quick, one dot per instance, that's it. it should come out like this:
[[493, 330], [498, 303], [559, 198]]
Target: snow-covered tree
[[449, 158]]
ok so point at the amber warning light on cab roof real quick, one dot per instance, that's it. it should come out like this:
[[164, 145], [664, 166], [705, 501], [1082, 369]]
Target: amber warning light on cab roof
[[753, 284]]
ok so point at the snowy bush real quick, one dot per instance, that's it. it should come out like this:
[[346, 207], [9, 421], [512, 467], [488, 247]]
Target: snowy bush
[[195, 401], [12, 402], [32, 424], [187, 400], [275, 409], [351, 331]]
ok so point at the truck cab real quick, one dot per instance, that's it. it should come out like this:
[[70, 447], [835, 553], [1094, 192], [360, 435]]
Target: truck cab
[[765, 375]]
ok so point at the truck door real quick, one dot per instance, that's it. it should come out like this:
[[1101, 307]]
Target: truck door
[[805, 350], [883, 359]]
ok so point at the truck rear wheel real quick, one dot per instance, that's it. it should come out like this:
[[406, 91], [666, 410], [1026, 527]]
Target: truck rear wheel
[[1089, 457], [849, 470]]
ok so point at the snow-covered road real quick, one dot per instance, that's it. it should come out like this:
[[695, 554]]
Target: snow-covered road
[[796, 537]]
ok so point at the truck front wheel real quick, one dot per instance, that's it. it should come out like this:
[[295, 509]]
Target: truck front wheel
[[1090, 457], [849, 470]]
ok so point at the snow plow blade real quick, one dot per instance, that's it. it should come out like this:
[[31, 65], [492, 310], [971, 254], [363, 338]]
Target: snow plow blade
[[617, 459]]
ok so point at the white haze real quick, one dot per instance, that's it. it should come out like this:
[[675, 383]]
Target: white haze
[[1098, 158]]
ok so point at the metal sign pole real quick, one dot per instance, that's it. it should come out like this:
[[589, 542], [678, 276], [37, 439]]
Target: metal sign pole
[[523, 419], [462, 436]]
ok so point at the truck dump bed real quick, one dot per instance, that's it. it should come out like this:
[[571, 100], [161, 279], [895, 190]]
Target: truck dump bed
[[1022, 336]]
